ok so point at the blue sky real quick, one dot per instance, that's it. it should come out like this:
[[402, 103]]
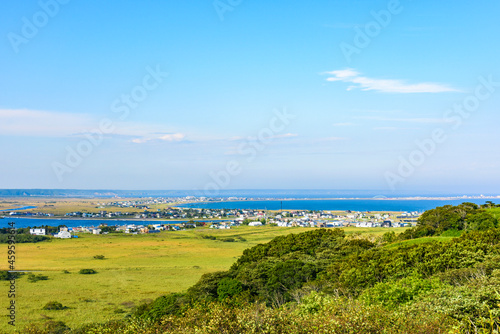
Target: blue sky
[[223, 70]]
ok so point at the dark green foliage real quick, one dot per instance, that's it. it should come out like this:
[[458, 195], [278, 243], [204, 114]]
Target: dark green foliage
[[206, 287], [273, 272], [228, 287], [6, 276], [392, 294], [99, 257], [307, 243], [227, 239], [490, 204], [360, 271], [476, 301], [482, 221], [24, 238], [389, 237], [286, 277], [54, 306], [323, 281], [463, 217], [109, 229], [35, 278], [171, 304], [87, 271]]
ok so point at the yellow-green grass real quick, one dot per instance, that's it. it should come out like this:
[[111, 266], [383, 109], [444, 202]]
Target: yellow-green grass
[[61, 206], [495, 212], [418, 241], [136, 268]]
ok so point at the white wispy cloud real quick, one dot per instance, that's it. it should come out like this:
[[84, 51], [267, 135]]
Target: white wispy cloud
[[386, 85], [169, 137], [36, 123], [285, 135]]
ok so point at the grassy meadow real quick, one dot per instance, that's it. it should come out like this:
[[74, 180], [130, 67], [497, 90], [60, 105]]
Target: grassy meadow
[[136, 268], [61, 206]]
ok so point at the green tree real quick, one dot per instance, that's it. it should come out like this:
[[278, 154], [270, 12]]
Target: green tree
[[228, 287]]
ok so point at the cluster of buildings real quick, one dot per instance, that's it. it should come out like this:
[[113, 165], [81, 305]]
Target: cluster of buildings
[[171, 213], [64, 232], [237, 217]]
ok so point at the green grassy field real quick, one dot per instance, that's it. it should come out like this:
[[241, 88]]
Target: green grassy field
[[495, 212], [136, 268], [418, 241], [61, 206]]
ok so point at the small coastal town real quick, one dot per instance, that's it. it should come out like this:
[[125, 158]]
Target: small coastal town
[[175, 218]]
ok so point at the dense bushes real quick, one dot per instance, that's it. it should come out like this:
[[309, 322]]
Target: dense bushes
[[228, 287], [391, 280], [24, 238], [171, 304], [324, 281], [54, 306], [463, 217], [32, 278], [317, 313], [87, 271], [6, 276]]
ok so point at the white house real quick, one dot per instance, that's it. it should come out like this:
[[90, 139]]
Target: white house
[[63, 235], [37, 231], [255, 224]]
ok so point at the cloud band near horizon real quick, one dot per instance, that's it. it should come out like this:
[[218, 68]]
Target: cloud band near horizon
[[385, 85]]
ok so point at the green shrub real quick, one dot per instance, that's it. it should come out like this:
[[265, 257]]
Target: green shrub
[[99, 257], [392, 294], [207, 285], [6, 276], [228, 287], [389, 237], [54, 306], [24, 238], [32, 278], [87, 271], [171, 304]]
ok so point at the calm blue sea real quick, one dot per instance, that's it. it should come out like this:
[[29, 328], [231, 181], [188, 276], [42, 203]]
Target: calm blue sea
[[21, 208], [336, 204]]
